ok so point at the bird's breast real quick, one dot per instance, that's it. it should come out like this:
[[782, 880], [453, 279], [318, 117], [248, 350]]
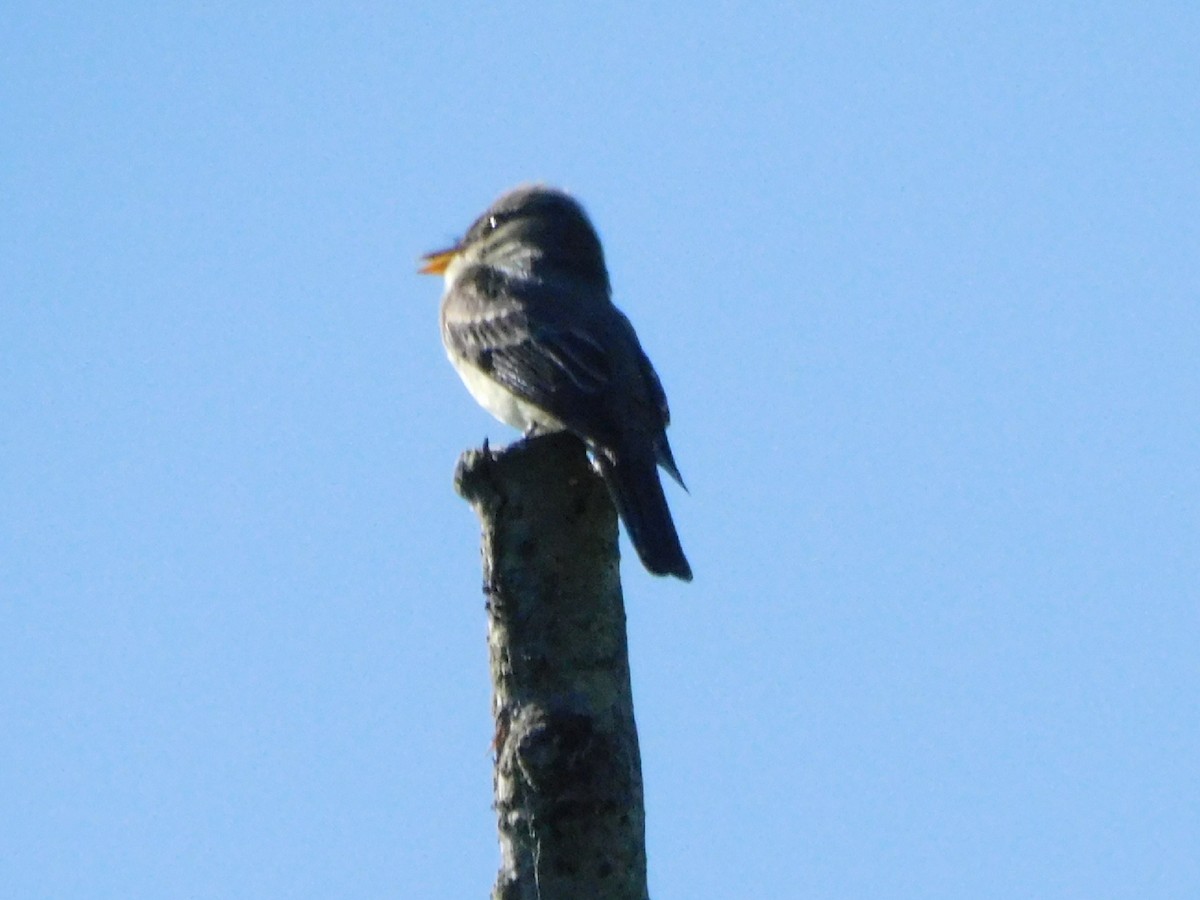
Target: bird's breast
[[500, 401]]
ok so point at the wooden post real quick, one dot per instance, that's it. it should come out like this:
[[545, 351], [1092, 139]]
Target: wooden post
[[568, 780]]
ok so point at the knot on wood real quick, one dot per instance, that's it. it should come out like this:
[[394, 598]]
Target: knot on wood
[[562, 755]]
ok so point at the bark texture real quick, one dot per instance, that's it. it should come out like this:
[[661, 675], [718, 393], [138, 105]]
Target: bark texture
[[568, 780]]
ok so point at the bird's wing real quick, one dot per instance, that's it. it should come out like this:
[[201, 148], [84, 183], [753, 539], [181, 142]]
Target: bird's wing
[[514, 332], [656, 399], [657, 394]]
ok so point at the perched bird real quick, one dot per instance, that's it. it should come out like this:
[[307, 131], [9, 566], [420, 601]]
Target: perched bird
[[528, 321]]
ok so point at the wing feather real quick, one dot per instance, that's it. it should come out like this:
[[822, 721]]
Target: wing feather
[[514, 335]]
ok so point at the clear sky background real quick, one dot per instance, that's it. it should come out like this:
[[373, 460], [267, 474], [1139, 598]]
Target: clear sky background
[[923, 285]]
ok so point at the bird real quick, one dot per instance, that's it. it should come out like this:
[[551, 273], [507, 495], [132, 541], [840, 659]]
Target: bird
[[527, 320]]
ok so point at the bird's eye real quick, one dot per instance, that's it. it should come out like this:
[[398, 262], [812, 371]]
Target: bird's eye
[[492, 222]]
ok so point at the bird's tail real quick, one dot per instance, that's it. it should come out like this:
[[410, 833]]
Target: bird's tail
[[633, 482]]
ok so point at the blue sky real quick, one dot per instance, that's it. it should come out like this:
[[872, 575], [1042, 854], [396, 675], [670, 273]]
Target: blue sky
[[921, 283]]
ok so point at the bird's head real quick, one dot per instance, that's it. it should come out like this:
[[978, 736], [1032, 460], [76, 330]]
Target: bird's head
[[533, 229]]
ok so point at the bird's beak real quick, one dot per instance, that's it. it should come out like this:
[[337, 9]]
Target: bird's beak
[[436, 263]]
